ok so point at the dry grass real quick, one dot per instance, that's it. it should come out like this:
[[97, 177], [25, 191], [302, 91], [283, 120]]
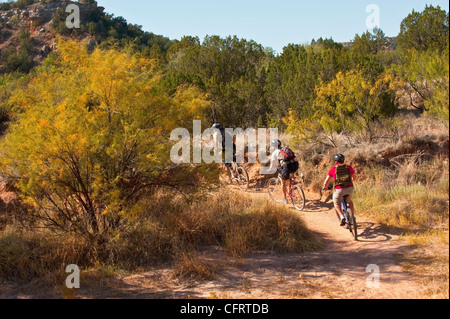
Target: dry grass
[[408, 207], [428, 259], [39, 258], [189, 265], [172, 230]]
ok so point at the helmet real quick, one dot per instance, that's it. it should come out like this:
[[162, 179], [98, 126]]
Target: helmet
[[276, 143], [340, 158], [217, 126]]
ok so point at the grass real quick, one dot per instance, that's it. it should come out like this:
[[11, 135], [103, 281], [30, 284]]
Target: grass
[[172, 230], [408, 207], [428, 259]]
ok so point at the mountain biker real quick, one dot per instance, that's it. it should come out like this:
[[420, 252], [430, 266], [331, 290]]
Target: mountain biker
[[219, 142], [290, 166], [342, 188]]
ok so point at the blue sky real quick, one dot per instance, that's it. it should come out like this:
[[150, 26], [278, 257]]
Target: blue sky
[[270, 23]]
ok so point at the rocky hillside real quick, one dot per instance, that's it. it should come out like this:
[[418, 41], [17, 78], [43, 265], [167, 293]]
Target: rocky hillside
[[28, 32], [35, 22]]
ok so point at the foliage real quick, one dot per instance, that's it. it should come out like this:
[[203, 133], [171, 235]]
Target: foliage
[[370, 42], [111, 31], [425, 30], [20, 59], [16, 4], [294, 75], [103, 123], [353, 103], [426, 74], [231, 70]]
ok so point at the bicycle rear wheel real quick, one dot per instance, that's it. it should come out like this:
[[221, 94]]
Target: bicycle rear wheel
[[275, 188], [352, 223], [298, 197], [242, 178]]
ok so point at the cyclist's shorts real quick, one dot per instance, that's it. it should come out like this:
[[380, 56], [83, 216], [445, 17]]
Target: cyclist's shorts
[[339, 194], [289, 169], [234, 155]]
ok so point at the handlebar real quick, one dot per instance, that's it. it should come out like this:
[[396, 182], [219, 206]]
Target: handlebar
[[329, 188]]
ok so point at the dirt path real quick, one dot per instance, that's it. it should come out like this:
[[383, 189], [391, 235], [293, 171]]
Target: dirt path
[[337, 271]]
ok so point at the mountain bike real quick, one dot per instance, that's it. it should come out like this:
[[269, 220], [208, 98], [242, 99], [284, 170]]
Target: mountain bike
[[241, 178], [350, 219], [295, 191]]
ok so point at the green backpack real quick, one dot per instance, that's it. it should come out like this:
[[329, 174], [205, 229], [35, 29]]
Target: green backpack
[[343, 176]]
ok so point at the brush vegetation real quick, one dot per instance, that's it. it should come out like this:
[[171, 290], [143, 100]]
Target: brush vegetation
[[172, 231]]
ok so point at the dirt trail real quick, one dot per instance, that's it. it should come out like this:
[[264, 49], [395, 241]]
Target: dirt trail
[[337, 271]]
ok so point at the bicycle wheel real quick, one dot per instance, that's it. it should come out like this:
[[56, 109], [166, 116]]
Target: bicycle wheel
[[352, 223], [275, 188], [242, 178], [298, 197]]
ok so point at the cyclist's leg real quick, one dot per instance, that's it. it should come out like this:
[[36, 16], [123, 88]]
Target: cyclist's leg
[[350, 200], [234, 160], [338, 197], [292, 177], [293, 168], [228, 166], [285, 177], [285, 189]]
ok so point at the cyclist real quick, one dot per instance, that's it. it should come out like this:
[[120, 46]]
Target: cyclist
[[289, 165], [220, 143], [343, 176]]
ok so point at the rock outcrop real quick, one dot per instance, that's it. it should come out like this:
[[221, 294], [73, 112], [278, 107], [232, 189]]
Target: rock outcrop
[[38, 18]]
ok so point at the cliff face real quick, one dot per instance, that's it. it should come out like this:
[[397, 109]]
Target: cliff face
[[37, 19], [41, 13]]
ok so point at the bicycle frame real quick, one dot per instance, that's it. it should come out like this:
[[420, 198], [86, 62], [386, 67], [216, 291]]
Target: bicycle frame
[[237, 172], [344, 205], [232, 172], [350, 220]]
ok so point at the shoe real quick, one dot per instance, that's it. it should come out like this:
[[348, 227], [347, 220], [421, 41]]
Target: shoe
[[343, 221]]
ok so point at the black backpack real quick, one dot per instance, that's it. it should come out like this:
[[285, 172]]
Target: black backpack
[[288, 154], [343, 176], [224, 134]]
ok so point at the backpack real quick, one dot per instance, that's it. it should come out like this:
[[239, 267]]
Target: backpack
[[224, 136], [343, 176], [288, 154]]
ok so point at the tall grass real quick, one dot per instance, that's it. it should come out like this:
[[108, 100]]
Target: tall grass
[[30, 256], [170, 229], [411, 206]]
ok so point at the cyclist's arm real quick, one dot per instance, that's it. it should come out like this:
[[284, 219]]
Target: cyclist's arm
[[327, 182], [353, 173], [274, 162], [216, 140]]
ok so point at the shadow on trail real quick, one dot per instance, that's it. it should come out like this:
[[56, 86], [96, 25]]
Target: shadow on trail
[[370, 232]]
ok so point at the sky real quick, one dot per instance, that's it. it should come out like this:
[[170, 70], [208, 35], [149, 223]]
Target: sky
[[271, 23]]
